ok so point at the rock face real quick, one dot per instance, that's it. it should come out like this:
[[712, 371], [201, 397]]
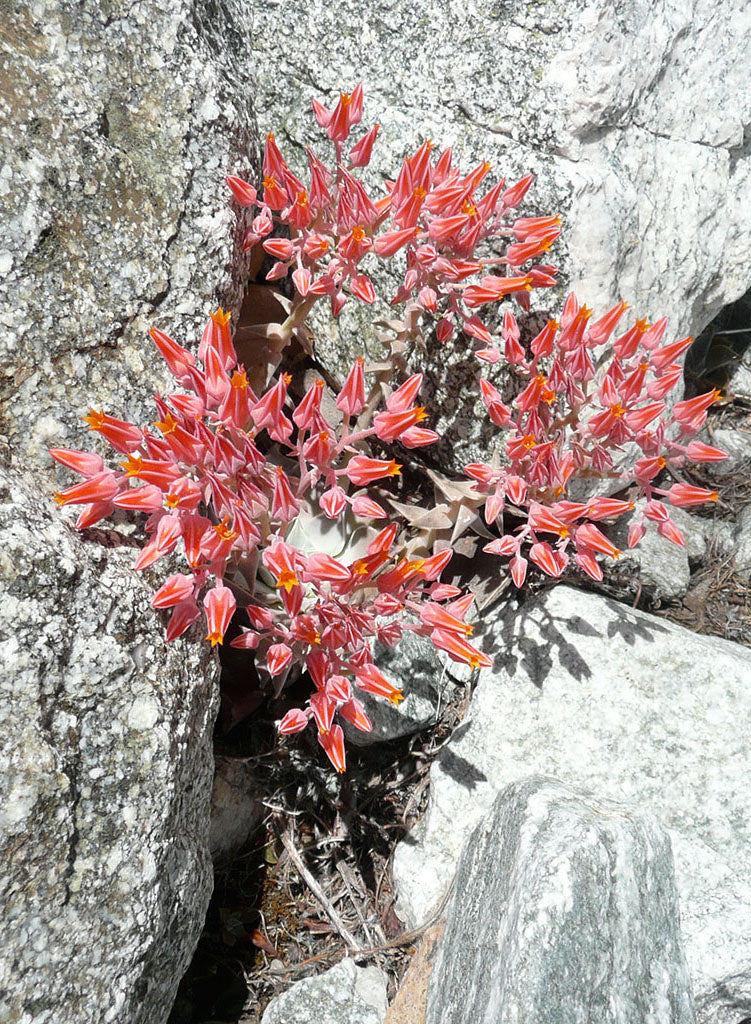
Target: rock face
[[121, 121], [609, 107], [607, 698], [105, 779], [564, 909], [346, 994]]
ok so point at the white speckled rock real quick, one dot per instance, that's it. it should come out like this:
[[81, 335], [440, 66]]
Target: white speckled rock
[[611, 699], [346, 994], [105, 779], [121, 121], [742, 541], [740, 385], [564, 909], [663, 567], [631, 116], [737, 443]]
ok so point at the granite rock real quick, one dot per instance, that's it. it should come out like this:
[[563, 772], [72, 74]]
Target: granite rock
[[741, 550], [121, 121], [105, 778], [737, 443], [415, 666], [606, 698], [564, 909], [634, 120], [662, 567], [345, 994]]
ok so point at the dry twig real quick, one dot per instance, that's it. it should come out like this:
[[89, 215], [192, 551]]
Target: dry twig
[[317, 891]]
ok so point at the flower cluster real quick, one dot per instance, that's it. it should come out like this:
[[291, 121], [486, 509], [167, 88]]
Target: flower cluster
[[227, 477], [569, 422], [232, 480], [432, 211]]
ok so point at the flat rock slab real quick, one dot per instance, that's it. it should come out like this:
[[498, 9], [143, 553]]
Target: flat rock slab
[[564, 910], [609, 699], [346, 994]]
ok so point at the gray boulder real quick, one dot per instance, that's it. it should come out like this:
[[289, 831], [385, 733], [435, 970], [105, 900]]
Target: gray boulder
[[661, 566], [105, 779], [345, 994], [415, 666], [564, 909], [236, 806], [632, 119], [121, 123], [638, 709], [741, 549]]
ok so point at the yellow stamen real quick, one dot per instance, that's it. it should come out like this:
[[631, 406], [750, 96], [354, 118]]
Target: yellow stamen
[[94, 419], [168, 425], [225, 531]]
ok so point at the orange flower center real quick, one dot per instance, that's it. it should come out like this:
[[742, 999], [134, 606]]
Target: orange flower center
[[132, 465], [287, 579]]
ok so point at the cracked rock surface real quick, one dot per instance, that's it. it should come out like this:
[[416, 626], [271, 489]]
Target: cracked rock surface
[[634, 118], [105, 779]]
